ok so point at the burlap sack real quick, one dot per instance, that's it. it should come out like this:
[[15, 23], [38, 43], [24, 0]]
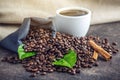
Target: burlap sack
[[12, 41]]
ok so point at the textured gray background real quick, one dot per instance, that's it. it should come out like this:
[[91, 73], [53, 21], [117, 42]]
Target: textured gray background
[[105, 71]]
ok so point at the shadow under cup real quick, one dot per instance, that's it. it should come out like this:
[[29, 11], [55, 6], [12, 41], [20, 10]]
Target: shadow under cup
[[74, 21]]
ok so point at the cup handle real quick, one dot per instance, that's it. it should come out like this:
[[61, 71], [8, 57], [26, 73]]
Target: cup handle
[[53, 27]]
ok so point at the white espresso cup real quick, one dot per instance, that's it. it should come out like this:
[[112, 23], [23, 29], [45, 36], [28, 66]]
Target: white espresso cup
[[74, 25]]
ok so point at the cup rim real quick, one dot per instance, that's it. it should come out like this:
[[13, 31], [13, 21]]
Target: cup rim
[[68, 8]]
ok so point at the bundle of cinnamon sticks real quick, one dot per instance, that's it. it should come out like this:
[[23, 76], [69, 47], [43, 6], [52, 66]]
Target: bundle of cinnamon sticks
[[99, 50]]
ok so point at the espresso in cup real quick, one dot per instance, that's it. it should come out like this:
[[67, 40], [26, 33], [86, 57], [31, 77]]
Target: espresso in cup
[[73, 12]]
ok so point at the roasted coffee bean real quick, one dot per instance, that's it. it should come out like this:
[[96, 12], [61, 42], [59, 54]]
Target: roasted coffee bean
[[117, 50], [95, 64], [114, 52], [77, 70], [89, 66], [42, 57], [50, 70], [34, 69], [37, 72], [4, 59], [50, 48], [45, 69], [85, 65], [33, 75], [114, 43], [43, 73], [73, 71]]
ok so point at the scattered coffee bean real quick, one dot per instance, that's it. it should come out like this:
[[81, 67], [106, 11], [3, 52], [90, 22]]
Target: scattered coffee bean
[[77, 70], [89, 66], [37, 72], [33, 75], [73, 71], [43, 73], [114, 43], [95, 64], [4, 59]]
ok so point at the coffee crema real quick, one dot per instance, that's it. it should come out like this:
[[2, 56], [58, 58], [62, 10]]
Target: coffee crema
[[73, 12]]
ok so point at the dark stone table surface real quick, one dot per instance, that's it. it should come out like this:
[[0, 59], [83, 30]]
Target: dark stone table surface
[[105, 71]]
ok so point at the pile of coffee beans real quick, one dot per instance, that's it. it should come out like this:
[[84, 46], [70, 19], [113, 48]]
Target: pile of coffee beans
[[48, 49]]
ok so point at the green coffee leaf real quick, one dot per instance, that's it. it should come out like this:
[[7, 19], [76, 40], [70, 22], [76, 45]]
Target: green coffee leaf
[[22, 54], [68, 60], [62, 62]]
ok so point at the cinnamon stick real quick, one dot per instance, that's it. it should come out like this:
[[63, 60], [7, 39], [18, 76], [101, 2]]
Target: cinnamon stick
[[95, 55], [100, 50]]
